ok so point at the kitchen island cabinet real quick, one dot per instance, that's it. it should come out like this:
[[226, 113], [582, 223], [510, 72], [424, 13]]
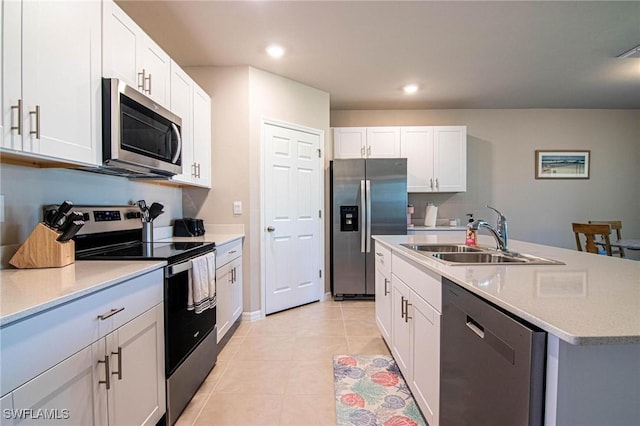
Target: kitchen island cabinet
[[51, 82], [592, 363]]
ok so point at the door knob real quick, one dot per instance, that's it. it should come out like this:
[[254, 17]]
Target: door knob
[[270, 229]]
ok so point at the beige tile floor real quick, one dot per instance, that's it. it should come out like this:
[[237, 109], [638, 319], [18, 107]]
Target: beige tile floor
[[279, 371]]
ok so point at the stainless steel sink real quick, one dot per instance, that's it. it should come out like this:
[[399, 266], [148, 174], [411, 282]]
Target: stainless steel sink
[[441, 248], [493, 257]]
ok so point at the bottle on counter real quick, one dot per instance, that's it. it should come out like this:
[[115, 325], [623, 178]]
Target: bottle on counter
[[472, 234]]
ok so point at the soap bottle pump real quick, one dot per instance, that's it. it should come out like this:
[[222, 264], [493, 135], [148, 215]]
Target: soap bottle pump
[[472, 234]]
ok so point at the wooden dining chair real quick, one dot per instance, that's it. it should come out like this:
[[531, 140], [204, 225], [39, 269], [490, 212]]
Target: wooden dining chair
[[590, 231], [617, 226]]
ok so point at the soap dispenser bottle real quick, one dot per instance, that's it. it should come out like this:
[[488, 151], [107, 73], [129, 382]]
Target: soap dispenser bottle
[[472, 234]]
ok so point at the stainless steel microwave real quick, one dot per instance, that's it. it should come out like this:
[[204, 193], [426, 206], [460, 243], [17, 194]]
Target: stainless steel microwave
[[139, 137]]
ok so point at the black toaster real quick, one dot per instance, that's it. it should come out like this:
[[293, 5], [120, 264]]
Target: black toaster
[[188, 227]]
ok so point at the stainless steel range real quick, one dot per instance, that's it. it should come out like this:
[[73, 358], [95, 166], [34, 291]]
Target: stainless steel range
[[115, 233]]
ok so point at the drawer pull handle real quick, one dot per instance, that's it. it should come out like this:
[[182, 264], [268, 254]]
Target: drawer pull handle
[[232, 251], [110, 313], [386, 290], [401, 306], [106, 380], [119, 372]]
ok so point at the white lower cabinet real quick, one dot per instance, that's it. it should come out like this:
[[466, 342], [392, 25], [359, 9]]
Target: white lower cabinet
[[116, 378], [228, 286], [383, 292], [415, 332]]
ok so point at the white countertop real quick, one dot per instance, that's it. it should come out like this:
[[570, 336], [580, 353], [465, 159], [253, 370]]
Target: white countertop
[[24, 292], [593, 299]]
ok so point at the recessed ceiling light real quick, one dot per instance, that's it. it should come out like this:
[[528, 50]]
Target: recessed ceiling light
[[410, 89], [275, 51]]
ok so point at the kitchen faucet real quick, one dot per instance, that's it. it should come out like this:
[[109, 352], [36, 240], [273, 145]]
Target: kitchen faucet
[[499, 233]]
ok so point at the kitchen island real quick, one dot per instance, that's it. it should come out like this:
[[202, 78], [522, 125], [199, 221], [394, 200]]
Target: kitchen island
[[590, 308]]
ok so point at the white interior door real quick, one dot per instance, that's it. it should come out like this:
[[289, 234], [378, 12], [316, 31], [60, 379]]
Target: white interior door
[[292, 223]]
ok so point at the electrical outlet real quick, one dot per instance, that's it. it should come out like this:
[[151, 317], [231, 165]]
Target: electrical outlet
[[237, 207]]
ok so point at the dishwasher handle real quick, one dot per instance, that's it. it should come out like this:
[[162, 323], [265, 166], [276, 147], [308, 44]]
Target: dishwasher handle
[[475, 327]]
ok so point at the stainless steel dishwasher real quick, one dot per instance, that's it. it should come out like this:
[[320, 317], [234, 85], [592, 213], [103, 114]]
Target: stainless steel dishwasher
[[492, 364]]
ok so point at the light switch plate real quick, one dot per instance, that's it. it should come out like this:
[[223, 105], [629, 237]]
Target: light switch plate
[[237, 207]]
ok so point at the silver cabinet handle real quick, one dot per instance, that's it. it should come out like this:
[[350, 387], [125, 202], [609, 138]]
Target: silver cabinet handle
[[199, 170], [19, 108], [107, 378], [235, 275], [111, 313], [119, 354], [362, 151], [233, 251], [402, 306], [37, 114], [431, 183], [149, 80], [406, 310], [437, 184], [193, 169], [270, 229], [386, 291], [141, 79], [368, 151]]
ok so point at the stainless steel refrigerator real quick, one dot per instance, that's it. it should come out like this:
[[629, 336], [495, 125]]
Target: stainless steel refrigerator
[[368, 197]]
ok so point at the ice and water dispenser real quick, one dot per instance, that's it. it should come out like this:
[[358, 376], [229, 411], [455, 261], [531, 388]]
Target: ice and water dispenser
[[349, 219]]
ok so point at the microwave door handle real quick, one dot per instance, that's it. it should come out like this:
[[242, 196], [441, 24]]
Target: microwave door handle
[[179, 150]]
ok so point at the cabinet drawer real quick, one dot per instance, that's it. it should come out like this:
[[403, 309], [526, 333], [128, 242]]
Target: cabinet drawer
[[37, 343], [383, 258], [225, 253], [423, 282]]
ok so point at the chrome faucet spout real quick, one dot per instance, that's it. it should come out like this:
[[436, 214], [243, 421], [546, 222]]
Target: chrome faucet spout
[[499, 233]]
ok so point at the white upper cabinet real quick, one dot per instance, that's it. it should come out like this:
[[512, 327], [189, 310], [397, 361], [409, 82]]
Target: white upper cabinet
[[436, 158], [51, 79], [193, 105], [366, 142], [130, 55]]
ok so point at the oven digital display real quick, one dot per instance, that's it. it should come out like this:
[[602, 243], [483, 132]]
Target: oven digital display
[[106, 215]]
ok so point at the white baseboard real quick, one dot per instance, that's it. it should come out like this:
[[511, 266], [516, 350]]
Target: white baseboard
[[252, 316], [327, 296]]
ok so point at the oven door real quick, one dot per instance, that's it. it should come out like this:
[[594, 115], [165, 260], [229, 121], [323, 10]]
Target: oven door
[[184, 329]]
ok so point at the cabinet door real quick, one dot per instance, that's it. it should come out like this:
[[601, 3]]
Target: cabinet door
[[349, 142], [416, 145], [182, 105], [401, 327], [425, 356], [65, 392], [136, 357], [450, 158], [383, 304], [122, 40], [202, 136], [61, 78], [383, 142], [223, 307], [235, 294], [157, 70]]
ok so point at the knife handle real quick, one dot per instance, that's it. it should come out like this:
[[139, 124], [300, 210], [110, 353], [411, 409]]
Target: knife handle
[[62, 210]]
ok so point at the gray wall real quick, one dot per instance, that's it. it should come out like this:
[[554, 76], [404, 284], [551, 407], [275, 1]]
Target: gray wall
[[27, 189], [500, 172]]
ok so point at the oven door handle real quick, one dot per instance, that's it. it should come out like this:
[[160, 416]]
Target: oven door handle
[[179, 268]]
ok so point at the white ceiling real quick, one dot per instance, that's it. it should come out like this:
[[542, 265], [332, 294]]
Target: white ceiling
[[477, 54]]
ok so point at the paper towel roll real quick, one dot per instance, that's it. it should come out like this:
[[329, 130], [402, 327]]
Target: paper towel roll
[[430, 215]]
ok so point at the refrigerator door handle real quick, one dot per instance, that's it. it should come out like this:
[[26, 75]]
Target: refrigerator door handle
[[368, 216], [363, 233]]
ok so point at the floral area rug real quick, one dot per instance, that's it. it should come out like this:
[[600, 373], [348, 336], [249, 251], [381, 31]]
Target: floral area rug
[[370, 391]]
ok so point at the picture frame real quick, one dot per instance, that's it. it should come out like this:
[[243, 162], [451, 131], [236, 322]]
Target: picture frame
[[562, 164]]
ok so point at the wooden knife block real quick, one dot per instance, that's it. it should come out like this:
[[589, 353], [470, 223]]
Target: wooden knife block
[[41, 250]]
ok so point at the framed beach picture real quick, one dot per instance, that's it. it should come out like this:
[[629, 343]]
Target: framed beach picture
[[562, 164]]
